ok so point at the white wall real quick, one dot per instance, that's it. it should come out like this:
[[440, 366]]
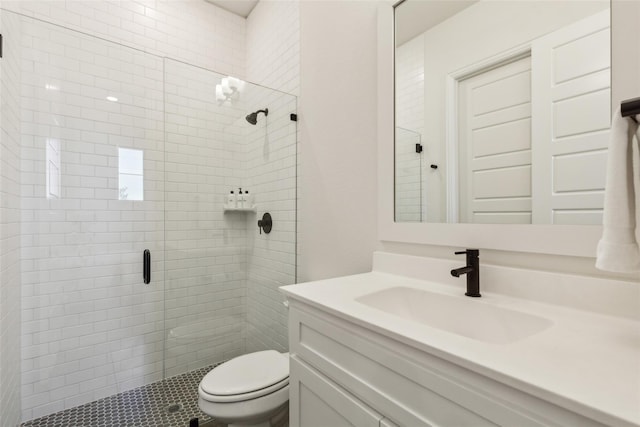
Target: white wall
[[625, 53], [10, 281], [338, 144]]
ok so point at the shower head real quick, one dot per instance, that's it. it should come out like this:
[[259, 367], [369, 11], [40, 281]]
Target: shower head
[[253, 117]]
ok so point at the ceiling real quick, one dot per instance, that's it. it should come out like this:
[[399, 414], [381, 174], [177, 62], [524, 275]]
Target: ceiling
[[239, 7]]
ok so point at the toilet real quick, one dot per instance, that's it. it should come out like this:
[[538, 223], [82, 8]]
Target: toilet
[[249, 390]]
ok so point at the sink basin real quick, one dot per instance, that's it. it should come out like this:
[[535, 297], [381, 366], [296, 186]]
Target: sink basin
[[464, 316]]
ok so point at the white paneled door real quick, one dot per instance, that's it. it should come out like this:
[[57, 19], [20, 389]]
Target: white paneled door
[[571, 109], [533, 131], [495, 144]]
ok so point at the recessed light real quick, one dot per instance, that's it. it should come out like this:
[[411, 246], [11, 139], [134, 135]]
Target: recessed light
[[112, 99]]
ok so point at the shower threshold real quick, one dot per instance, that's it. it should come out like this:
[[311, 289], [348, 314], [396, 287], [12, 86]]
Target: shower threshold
[[172, 402]]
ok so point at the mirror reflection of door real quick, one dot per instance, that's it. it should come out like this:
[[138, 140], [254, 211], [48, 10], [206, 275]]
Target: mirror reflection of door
[[533, 132], [494, 129], [551, 173], [571, 101]]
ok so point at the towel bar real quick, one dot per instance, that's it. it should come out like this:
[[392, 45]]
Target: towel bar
[[630, 108]]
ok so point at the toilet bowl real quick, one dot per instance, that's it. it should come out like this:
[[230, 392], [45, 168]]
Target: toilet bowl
[[249, 390]]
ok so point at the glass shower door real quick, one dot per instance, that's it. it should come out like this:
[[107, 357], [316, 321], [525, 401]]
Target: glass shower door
[[205, 250], [92, 202], [222, 274]]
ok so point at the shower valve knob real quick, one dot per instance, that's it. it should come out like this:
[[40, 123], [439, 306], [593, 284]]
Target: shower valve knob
[[265, 223]]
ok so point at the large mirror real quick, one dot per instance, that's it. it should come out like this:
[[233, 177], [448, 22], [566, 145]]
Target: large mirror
[[502, 111]]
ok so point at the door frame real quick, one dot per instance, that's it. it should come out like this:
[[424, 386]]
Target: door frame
[[452, 139]]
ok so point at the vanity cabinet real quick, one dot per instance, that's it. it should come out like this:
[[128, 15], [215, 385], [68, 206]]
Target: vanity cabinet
[[321, 402], [343, 373]]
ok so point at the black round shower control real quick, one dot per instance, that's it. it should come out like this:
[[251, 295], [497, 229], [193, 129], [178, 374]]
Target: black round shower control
[[265, 223]]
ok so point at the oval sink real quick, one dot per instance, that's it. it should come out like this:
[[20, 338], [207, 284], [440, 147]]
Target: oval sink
[[459, 315]]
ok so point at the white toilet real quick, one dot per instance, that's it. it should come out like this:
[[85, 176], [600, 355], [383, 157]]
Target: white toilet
[[248, 390]]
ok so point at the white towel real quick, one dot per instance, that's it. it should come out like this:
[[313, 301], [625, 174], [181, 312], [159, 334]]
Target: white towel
[[618, 249]]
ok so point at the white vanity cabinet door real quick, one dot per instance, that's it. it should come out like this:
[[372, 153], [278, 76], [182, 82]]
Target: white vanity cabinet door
[[361, 369], [315, 401]]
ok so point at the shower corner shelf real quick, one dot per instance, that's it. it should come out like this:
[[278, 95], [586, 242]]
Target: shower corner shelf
[[228, 208]]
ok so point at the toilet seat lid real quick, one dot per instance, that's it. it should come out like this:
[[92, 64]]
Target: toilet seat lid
[[247, 373]]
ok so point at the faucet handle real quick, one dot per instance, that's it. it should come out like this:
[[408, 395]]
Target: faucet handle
[[469, 252]]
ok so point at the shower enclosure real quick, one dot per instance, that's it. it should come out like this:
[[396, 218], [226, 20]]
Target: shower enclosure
[[123, 151], [409, 175]]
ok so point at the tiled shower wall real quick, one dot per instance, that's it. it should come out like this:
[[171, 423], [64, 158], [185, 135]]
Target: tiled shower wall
[[273, 45], [410, 166], [273, 59], [57, 372], [193, 31], [271, 175], [10, 281], [206, 248], [408, 176], [410, 83]]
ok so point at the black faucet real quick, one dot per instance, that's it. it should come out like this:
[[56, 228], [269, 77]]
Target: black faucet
[[472, 270]]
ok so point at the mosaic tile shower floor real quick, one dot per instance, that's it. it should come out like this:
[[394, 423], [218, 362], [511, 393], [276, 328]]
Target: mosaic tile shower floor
[[141, 407]]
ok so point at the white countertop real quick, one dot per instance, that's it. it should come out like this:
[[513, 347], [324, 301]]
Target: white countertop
[[586, 362]]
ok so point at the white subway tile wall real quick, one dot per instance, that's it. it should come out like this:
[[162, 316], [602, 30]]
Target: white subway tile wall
[[193, 31], [206, 248], [91, 327], [411, 168], [408, 176], [273, 59], [271, 259], [273, 45], [10, 281]]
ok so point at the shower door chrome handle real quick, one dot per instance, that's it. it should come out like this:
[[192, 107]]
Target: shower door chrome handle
[[146, 266]]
